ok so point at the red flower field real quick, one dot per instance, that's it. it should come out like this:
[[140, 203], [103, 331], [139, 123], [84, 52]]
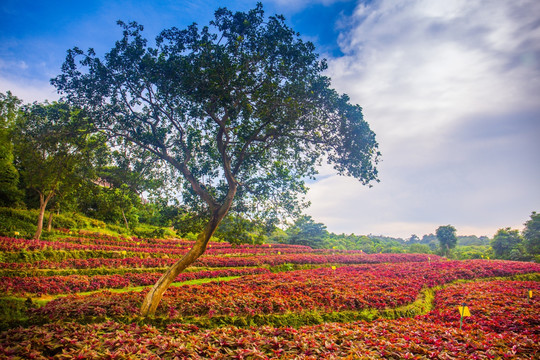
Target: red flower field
[[261, 311]]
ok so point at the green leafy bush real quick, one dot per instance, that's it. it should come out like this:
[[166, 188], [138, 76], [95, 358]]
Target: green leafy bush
[[18, 220], [153, 232]]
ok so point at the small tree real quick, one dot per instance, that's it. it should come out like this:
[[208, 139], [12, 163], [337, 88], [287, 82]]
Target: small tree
[[504, 241], [242, 112], [531, 234], [305, 231], [10, 195], [52, 151], [447, 238], [416, 248]]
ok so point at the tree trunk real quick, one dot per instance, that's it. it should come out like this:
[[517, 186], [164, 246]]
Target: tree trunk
[[153, 297], [125, 219], [42, 206], [49, 221]]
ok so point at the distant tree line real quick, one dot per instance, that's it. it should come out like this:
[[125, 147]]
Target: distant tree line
[[506, 244]]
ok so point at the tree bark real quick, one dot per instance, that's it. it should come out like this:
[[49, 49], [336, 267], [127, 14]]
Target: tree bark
[[125, 219], [152, 299], [49, 221], [42, 206]]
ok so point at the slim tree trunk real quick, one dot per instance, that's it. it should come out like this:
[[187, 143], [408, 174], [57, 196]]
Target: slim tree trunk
[[49, 221], [42, 206], [125, 219], [153, 297], [218, 211]]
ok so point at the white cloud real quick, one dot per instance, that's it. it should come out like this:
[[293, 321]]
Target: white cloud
[[29, 90], [296, 5], [451, 89]]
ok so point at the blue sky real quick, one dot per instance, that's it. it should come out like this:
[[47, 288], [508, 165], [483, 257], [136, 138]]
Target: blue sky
[[451, 88]]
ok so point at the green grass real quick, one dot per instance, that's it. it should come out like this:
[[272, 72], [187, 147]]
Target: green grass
[[188, 282], [24, 222]]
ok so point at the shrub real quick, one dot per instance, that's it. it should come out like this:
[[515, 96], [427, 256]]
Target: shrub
[[153, 232], [18, 220]]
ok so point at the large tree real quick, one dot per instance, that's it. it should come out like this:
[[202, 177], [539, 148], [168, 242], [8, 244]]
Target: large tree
[[240, 109]]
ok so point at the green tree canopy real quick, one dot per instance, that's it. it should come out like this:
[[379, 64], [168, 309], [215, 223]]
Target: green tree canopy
[[240, 109], [305, 231], [531, 233], [504, 241], [53, 152], [236, 230], [10, 195], [447, 238]]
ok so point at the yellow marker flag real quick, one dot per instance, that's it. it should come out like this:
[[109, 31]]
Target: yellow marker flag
[[333, 268], [530, 294], [464, 311], [279, 252]]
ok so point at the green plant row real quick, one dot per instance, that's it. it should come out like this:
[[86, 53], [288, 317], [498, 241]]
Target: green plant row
[[25, 256], [88, 272], [94, 271], [121, 271]]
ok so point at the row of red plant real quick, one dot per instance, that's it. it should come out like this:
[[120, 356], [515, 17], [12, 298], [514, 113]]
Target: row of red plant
[[147, 245], [223, 261], [434, 336], [142, 245], [81, 283], [348, 288]]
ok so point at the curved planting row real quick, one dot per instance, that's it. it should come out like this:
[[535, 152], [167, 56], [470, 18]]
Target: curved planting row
[[497, 306], [433, 336], [41, 285], [348, 288]]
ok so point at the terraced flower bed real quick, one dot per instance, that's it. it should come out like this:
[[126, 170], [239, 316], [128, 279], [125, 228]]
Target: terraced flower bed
[[433, 336], [335, 289], [325, 290]]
